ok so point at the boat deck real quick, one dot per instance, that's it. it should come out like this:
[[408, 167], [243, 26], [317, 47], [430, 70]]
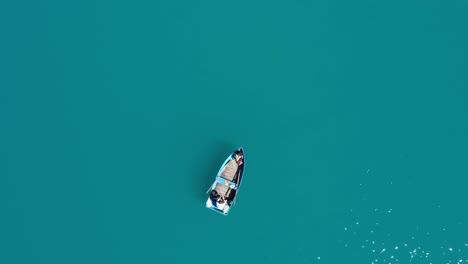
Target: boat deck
[[229, 173], [222, 190]]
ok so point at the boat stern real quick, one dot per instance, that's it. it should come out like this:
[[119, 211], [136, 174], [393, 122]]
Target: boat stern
[[220, 208]]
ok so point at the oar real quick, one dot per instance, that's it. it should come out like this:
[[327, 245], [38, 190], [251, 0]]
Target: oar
[[209, 189]]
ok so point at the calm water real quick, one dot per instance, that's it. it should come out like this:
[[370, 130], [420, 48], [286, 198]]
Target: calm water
[[115, 117]]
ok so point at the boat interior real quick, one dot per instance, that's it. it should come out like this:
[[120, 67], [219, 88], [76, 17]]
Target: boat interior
[[228, 181]]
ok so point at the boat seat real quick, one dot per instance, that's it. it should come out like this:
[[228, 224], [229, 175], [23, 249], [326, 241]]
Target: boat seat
[[226, 183]]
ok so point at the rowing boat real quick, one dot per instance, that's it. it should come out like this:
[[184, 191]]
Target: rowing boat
[[223, 191]]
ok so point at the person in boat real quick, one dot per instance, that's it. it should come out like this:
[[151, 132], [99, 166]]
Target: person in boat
[[238, 157], [214, 196], [220, 203]]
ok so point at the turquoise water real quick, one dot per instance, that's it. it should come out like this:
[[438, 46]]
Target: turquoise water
[[115, 118]]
